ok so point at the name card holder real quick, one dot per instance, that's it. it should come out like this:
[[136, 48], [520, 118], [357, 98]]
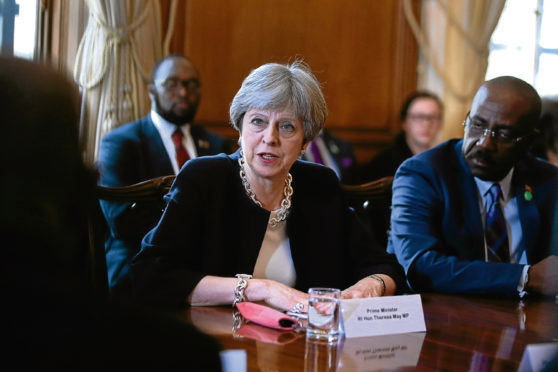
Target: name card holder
[[383, 315]]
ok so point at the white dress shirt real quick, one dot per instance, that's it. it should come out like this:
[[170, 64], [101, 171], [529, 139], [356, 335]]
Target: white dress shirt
[[513, 223], [166, 129]]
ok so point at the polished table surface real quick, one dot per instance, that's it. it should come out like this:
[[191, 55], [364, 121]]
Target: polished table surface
[[463, 333]]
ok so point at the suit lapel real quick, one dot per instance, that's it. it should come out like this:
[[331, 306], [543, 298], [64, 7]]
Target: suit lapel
[[332, 147], [155, 151], [203, 147], [527, 210], [470, 204]]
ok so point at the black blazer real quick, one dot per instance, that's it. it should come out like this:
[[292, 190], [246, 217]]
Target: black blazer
[[130, 154], [211, 227], [387, 161]]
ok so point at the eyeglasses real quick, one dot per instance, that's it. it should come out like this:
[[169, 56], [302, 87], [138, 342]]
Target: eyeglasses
[[478, 129], [421, 117], [191, 85]]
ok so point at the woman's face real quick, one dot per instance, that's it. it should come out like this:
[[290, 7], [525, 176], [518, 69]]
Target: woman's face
[[423, 122], [271, 141]]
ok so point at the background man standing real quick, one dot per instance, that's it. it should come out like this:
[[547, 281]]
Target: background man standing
[[480, 215], [156, 145]]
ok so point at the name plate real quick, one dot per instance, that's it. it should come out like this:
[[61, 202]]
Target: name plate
[[540, 357], [375, 316]]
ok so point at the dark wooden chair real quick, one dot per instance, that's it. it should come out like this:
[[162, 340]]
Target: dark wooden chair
[[371, 202], [146, 191]]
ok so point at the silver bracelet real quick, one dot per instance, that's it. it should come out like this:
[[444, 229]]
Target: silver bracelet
[[240, 287], [374, 276]]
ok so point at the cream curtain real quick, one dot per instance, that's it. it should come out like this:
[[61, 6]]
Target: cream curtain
[[454, 38], [113, 63]]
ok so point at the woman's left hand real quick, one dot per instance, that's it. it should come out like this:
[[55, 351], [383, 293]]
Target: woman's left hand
[[370, 287]]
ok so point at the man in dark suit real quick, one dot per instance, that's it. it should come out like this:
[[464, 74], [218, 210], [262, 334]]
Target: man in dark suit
[[335, 153], [156, 145], [480, 215]]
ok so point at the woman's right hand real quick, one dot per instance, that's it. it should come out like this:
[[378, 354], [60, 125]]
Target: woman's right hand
[[214, 290], [275, 294]]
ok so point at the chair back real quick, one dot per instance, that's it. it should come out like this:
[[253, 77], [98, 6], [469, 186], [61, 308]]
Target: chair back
[[147, 191], [371, 202]]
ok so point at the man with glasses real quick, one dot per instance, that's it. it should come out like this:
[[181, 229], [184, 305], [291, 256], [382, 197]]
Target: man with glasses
[[480, 215], [156, 145]]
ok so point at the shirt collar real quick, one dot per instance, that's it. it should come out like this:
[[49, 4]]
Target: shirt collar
[[505, 185], [166, 128]]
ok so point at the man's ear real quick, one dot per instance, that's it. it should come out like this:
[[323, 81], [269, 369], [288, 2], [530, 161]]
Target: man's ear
[[151, 91]]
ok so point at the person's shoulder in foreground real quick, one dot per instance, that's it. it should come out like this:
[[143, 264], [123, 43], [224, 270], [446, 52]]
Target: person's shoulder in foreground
[[57, 321], [439, 213]]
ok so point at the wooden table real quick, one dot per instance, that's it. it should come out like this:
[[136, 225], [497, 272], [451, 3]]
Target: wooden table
[[464, 333]]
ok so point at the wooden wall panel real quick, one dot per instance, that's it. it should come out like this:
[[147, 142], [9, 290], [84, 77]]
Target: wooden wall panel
[[361, 50]]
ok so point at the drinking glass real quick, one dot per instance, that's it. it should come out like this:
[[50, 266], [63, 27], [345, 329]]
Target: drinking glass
[[324, 307]]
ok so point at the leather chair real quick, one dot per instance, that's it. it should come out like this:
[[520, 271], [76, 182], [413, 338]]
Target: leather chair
[[371, 202], [147, 191]]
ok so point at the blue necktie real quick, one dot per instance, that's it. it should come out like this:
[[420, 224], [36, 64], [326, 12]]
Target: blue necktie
[[495, 232]]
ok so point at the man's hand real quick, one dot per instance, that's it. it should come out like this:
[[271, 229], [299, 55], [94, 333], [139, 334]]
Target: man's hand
[[543, 277]]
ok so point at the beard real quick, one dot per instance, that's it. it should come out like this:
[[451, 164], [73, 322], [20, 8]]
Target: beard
[[178, 118]]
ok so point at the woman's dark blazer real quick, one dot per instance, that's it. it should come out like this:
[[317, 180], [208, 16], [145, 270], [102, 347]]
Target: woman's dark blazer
[[211, 227]]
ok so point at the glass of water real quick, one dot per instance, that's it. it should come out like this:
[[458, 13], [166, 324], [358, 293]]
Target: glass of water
[[324, 308]]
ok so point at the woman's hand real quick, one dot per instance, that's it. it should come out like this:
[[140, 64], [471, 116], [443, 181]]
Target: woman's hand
[[370, 287], [214, 290], [276, 294]]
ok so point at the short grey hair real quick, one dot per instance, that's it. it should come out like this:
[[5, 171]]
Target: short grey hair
[[273, 86]]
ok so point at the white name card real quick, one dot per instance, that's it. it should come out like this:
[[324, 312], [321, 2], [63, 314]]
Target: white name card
[[540, 357], [382, 316]]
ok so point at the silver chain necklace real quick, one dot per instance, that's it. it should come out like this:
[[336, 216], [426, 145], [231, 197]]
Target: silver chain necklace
[[287, 191]]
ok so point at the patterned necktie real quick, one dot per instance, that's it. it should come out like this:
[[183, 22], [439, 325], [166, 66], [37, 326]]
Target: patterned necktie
[[314, 149], [495, 232], [181, 153]]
